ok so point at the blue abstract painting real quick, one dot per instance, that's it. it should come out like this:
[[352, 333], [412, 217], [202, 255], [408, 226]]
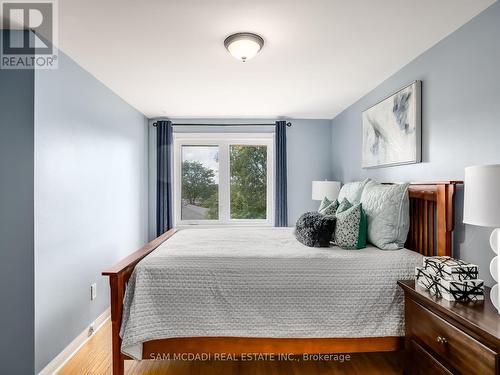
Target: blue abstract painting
[[391, 129]]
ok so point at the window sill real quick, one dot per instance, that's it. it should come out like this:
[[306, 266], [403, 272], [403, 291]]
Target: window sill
[[222, 225]]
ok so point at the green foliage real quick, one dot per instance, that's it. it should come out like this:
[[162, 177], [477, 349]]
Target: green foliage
[[248, 179], [248, 182], [198, 183]]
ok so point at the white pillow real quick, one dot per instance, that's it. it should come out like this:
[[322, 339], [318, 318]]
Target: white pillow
[[387, 209], [352, 191]]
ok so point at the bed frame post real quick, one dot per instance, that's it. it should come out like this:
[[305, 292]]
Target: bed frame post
[[117, 285], [445, 218]]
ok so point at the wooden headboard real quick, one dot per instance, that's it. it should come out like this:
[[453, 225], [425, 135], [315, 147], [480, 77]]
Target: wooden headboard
[[432, 217]]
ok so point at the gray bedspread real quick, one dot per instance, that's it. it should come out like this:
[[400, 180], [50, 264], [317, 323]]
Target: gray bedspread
[[261, 282]]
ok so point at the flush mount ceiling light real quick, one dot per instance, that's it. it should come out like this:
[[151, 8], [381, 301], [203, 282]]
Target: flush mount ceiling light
[[243, 46]]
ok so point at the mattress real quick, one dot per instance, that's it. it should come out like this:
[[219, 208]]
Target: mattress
[[261, 282]]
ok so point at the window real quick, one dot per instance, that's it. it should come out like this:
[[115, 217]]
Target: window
[[224, 179], [248, 181], [200, 183]]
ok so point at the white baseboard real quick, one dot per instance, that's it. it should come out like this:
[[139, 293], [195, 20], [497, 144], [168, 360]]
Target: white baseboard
[[60, 360]]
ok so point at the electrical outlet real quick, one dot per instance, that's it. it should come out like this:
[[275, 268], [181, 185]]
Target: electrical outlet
[[93, 291]]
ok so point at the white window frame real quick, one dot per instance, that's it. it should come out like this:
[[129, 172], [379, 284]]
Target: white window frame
[[223, 141]]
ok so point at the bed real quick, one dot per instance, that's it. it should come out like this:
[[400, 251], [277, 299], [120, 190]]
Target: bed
[[258, 290]]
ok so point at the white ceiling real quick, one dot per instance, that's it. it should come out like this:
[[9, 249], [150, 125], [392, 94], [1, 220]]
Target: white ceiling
[[166, 58]]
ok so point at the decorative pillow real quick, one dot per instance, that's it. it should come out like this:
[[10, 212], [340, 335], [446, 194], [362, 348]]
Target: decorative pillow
[[314, 229], [387, 210], [350, 228], [352, 191], [327, 207], [344, 205], [324, 203]]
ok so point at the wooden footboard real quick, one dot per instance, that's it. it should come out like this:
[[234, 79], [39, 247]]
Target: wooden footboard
[[119, 274], [238, 346], [431, 224]]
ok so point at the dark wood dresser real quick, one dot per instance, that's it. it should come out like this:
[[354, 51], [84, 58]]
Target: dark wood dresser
[[444, 337]]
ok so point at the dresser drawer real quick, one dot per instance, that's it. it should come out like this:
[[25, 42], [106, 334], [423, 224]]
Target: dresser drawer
[[422, 363], [456, 348]]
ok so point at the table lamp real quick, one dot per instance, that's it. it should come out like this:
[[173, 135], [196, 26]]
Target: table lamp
[[322, 189], [482, 208]]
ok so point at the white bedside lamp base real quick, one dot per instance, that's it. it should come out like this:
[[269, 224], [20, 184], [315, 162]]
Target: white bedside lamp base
[[482, 208], [495, 268]]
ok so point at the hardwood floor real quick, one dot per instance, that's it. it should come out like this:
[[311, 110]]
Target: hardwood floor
[[95, 358]]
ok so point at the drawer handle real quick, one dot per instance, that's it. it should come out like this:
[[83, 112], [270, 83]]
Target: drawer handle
[[441, 340]]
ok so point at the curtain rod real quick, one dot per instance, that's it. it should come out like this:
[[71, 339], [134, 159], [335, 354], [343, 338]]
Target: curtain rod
[[288, 124]]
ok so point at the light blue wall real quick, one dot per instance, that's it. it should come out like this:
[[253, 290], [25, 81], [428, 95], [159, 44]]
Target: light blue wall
[[308, 152], [90, 198], [16, 222], [461, 120]]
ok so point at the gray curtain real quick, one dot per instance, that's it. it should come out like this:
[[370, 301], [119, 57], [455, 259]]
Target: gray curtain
[[164, 207], [281, 209]]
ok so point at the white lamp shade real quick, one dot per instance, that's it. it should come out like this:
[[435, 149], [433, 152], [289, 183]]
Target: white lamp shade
[[482, 195], [321, 189]]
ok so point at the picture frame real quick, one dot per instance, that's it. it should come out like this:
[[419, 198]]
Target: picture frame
[[392, 128]]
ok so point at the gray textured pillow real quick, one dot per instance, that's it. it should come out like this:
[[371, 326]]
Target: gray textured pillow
[[314, 229], [352, 191], [387, 209]]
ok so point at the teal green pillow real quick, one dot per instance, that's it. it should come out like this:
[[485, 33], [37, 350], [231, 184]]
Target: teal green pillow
[[328, 207], [350, 228]]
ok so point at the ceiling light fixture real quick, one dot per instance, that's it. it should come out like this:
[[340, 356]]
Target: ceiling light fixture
[[244, 46]]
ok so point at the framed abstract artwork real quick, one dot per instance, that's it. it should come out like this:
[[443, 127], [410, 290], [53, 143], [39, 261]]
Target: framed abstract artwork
[[392, 129]]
